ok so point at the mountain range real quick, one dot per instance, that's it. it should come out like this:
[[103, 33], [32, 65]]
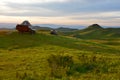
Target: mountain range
[[13, 25], [94, 31]]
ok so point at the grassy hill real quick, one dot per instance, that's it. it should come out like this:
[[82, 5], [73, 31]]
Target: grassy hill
[[62, 29], [48, 57], [95, 31]]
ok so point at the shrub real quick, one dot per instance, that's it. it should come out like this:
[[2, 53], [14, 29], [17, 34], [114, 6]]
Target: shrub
[[60, 65], [64, 66]]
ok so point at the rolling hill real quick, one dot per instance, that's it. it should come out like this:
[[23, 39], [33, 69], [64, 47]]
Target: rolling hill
[[95, 31], [62, 29], [49, 57]]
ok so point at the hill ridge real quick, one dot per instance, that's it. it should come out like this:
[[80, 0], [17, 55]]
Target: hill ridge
[[95, 31], [94, 26]]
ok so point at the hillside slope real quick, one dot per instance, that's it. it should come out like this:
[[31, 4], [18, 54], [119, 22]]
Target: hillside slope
[[95, 31], [25, 57], [26, 40]]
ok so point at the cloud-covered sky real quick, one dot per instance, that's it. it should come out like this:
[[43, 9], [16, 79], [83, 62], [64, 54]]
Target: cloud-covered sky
[[83, 12]]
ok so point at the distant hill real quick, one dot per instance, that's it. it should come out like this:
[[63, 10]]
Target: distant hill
[[94, 26], [62, 29], [41, 28], [65, 26], [95, 31], [48, 27], [12, 25], [7, 25]]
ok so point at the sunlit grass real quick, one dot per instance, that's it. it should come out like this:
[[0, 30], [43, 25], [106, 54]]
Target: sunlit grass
[[25, 57]]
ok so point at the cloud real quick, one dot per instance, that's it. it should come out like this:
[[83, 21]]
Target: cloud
[[32, 1], [99, 16], [80, 6], [63, 7], [70, 9]]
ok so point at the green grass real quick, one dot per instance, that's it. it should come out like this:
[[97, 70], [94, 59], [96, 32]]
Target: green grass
[[25, 57], [94, 32]]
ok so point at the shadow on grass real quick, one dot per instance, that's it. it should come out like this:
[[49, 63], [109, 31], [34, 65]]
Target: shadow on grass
[[18, 41]]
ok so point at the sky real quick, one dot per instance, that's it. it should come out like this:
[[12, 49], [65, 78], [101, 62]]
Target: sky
[[80, 12]]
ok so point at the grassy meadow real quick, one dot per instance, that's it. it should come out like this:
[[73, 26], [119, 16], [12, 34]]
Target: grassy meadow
[[49, 57]]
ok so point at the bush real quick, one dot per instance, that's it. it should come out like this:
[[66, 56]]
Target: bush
[[64, 66], [60, 65]]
